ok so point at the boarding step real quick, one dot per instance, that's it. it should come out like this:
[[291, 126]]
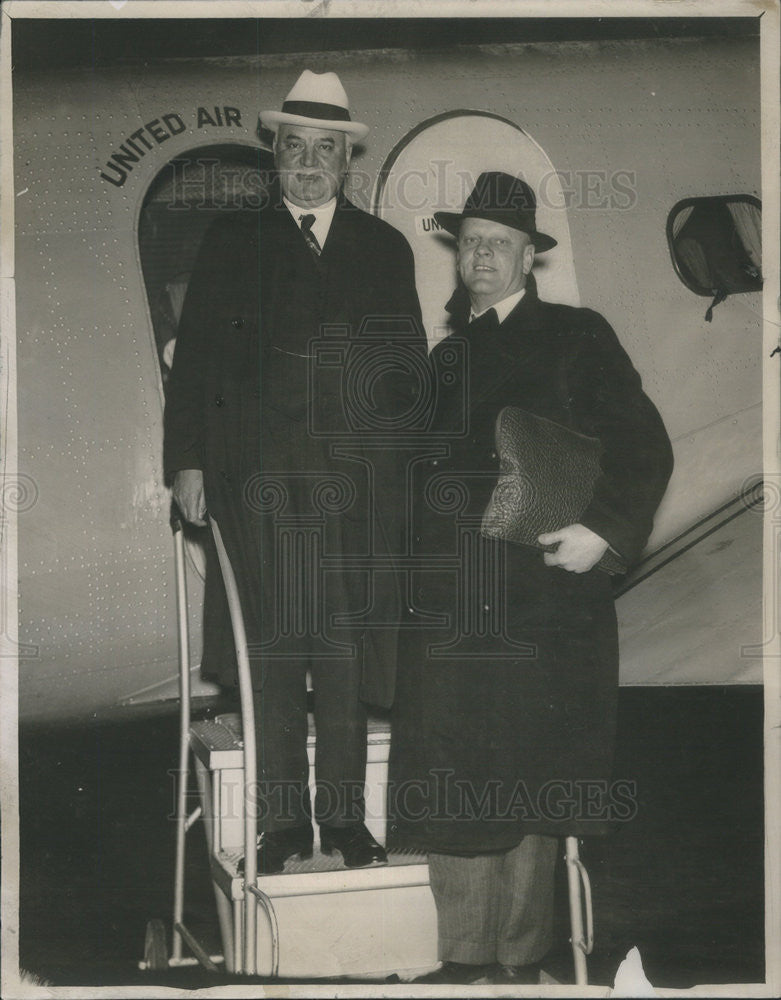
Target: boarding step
[[319, 919], [217, 743], [322, 872]]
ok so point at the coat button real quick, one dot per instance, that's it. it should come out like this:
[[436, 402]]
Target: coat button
[[237, 323], [435, 461], [225, 475], [219, 400]]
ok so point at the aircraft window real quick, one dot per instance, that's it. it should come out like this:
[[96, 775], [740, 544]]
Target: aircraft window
[[187, 194], [716, 245]]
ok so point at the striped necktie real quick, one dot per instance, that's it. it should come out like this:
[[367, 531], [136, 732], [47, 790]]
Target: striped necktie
[[307, 221]]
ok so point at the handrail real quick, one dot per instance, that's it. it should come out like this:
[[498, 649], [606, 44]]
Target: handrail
[[577, 878], [681, 544], [273, 923], [250, 760], [184, 729], [587, 944]]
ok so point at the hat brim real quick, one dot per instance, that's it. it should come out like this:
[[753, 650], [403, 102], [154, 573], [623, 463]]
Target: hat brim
[[273, 119], [451, 221]]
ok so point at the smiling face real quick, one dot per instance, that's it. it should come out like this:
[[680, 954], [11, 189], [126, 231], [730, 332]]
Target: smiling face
[[493, 261], [311, 162]]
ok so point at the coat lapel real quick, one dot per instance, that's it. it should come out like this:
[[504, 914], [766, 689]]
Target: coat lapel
[[336, 263], [514, 348]]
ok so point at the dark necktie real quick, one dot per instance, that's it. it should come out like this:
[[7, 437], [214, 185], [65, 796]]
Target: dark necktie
[[307, 222], [484, 323]]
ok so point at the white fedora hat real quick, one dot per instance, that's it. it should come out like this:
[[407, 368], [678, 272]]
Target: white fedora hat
[[317, 100]]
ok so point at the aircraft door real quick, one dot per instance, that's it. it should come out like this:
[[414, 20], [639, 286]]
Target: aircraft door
[[182, 201], [435, 167], [184, 198]]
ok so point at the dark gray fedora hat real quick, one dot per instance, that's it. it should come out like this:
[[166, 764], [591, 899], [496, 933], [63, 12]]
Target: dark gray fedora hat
[[499, 197]]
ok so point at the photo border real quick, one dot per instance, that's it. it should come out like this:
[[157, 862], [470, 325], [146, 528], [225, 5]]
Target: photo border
[[118, 10]]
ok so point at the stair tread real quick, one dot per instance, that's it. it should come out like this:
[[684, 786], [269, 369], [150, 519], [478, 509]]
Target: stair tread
[[320, 862], [224, 731]]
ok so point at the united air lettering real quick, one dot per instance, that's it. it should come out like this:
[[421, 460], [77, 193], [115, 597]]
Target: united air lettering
[[136, 145], [426, 224], [232, 117]]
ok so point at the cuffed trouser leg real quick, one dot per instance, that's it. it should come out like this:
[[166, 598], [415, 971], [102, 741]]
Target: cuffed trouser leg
[[465, 891], [525, 931], [281, 733], [340, 754], [495, 907]]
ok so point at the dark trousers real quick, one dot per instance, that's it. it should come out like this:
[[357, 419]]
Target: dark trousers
[[340, 751], [495, 907]]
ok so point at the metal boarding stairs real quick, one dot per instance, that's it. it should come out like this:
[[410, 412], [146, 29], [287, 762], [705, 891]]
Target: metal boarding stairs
[[316, 919]]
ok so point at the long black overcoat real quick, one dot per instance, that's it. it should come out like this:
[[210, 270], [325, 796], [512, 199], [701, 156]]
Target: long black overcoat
[[505, 709], [266, 397]]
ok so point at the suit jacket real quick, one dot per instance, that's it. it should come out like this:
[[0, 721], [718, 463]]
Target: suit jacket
[[266, 396], [505, 712]]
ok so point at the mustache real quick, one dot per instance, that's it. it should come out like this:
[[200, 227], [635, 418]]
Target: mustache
[[310, 172]]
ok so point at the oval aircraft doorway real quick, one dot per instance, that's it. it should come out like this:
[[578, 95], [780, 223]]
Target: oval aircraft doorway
[[434, 168], [182, 201]]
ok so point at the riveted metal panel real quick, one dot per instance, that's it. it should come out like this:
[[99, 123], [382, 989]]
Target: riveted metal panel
[[631, 127]]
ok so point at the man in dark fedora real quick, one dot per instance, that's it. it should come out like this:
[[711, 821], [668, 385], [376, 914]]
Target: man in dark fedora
[[268, 427], [504, 718]]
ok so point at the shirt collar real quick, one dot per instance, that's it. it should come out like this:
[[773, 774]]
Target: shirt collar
[[324, 215], [502, 308]]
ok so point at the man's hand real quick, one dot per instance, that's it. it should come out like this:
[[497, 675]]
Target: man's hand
[[188, 494], [580, 549]]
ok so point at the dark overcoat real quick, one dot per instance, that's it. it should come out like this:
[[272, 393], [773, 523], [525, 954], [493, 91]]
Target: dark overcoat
[[505, 711], [264, 398]]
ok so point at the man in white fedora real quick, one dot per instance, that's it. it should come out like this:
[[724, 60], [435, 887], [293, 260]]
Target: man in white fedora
[[283, 373], [313, 146]]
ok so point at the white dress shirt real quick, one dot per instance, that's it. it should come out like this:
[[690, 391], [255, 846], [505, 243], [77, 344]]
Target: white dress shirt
[[503, 308], [324, 216]]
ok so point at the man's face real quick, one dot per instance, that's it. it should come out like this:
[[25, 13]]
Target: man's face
[[493, 261], [312, 163]]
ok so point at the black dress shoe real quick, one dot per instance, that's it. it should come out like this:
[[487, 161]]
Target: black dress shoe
[[459, 974], [506, 975], [358, 848], [276, 846]]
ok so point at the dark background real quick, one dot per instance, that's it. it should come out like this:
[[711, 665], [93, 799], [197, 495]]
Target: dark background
[[683, 881], [41, 44]]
